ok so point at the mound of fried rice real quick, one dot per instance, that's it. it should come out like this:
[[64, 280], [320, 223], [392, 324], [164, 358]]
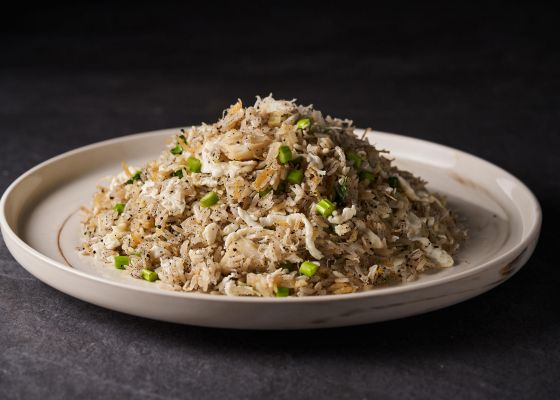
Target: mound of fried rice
[[387, 228]]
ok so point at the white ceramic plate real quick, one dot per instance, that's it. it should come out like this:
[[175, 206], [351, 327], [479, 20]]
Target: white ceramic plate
[[40, 225]]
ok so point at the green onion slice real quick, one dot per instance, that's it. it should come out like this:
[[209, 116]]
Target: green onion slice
[[341, 190], [137, 175], [325, 207], [295, 176], [150, 276], [308, 268], [176, 150], [119, 208], [282, 292], [284, 155], [209, 199], [303, 123], [121, 262], [194, 164]]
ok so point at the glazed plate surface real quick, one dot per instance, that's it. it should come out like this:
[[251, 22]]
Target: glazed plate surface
[[39, 217]]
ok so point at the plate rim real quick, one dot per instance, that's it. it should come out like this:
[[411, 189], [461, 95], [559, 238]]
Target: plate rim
[[532, 235]]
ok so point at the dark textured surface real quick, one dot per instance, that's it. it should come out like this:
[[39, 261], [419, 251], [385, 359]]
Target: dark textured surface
[[485, 80]]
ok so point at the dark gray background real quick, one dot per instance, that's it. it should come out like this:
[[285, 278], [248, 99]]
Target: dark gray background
[[485, 79]]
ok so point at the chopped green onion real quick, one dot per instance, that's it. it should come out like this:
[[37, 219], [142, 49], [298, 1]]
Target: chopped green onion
[[178, 173], [341, 190], [121, 261], [209, 199], [119, 208], [135, 177], [264, 192], [183, 138], [303, 123], [177, 150], [282, 292], [325, 207], [149, 276], [394, 182], [295, 176], [194, 164], [355, 158], [308, 268], [284, 154]]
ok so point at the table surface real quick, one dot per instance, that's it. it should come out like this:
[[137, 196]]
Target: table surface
[[485, 81]]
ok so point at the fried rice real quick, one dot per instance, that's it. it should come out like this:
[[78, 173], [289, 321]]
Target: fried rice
[[274, 199]]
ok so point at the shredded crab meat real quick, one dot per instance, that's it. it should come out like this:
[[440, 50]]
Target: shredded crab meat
[[221, 212], [293, 219], [346, 215]]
